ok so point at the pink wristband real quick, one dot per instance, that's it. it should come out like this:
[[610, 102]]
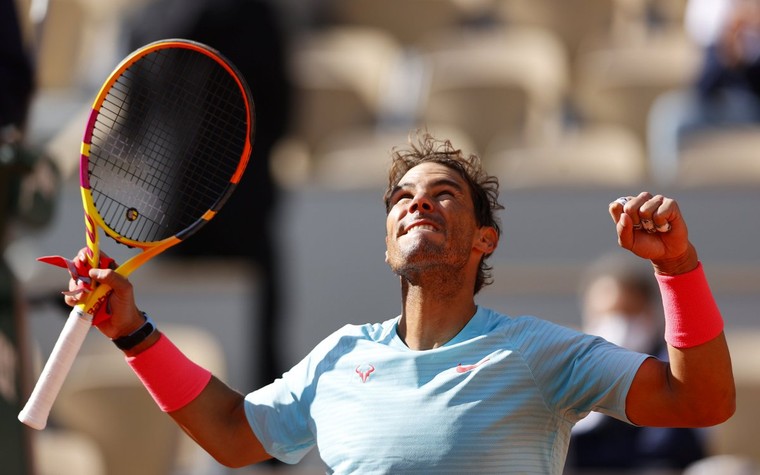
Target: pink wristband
[[691, 315], [168, 375]]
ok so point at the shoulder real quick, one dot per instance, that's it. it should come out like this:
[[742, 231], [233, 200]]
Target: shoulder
[[351, 334], [540, 341], [368, 331], [529, 327]]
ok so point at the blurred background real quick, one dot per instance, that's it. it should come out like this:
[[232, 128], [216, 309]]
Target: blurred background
[[571, 103]]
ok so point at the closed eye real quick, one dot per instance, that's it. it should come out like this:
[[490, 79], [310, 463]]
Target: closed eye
[[400, 196], [441, 189]]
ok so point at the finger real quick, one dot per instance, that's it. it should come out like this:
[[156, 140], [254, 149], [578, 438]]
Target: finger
[[81, 255], [625, 230], [630, 206], [666, 213], [650, 206], [82, 262], [646, 213], [616, 208], [641, 209], [111, 278], [624, 225], [663, 228], [619, 206], [121, 290], [657, 213], [70, 300]]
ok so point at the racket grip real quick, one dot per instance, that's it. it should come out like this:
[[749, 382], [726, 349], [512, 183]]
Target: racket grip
[[35, 412]]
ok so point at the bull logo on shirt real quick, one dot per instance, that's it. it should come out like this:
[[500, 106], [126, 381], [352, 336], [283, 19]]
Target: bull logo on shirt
[[364, 370]]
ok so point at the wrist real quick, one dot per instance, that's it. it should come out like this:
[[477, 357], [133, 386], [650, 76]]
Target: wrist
[[692, 316], [682, 264], [138, 338], [134, 325], [170, 377], [149, 341]]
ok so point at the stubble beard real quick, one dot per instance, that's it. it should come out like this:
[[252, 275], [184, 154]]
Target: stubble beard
[[425, 263]]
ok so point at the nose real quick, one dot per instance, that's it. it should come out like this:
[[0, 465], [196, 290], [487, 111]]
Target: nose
[[421, 203]]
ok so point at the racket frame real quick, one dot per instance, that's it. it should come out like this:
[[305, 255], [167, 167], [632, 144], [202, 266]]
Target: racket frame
[[37, 409]]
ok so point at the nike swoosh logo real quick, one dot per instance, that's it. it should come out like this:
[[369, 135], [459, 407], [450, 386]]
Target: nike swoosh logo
[[465, 368]]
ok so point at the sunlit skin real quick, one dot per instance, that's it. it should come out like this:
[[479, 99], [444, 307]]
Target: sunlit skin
[[696, 387], [435, 245], [431, 223]]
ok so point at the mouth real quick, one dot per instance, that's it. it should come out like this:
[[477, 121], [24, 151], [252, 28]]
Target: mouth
[[419, 226]]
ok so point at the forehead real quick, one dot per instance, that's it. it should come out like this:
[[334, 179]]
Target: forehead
[[430, 173]]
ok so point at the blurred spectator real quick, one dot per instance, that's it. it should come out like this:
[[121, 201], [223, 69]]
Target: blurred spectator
[[28, 184], [248, 33], [723, 465], [619, 302], [726, 91]]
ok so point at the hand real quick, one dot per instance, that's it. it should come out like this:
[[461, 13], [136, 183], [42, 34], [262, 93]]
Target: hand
[[653, 228], [124, 318]]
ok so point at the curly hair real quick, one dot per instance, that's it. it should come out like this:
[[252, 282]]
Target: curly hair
[[484, 188]]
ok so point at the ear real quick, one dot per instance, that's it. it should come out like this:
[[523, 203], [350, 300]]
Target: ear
[[386, 249], [487, 240]]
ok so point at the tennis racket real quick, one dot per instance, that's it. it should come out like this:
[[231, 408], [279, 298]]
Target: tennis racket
[[166, 143]]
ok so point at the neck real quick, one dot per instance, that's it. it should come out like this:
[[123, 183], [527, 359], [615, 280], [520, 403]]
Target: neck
[[433, 315]]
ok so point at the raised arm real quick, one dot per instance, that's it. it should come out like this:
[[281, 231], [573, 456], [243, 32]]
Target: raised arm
[[696, 387], [205, 408]]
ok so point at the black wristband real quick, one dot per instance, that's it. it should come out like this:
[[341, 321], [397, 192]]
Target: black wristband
[[138, 336]]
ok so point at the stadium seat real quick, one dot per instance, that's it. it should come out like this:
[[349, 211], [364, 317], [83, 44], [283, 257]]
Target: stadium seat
[[408, 21], [340, 76], [595, 156], [359, 158], [617, 83], [495, 82], [720, 157], [571, 20]]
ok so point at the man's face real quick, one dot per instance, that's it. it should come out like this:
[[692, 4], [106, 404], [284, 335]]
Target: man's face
[[431, 223]]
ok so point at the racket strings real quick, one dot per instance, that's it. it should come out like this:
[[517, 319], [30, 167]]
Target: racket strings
[[166, 143]]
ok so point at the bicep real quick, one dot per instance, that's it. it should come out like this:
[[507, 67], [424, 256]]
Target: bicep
[[649, 401], [696, 389]]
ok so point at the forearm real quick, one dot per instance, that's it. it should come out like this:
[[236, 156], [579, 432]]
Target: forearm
[[204, 407], [699, 373], [701, 381], [216, 421], [696, 387], [209, 411]]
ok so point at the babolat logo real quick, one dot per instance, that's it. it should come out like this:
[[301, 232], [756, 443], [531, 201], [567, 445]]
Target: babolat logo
[[96, 306]]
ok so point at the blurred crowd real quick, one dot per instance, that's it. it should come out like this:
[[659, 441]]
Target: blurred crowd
[[545, 94], [570, 93]]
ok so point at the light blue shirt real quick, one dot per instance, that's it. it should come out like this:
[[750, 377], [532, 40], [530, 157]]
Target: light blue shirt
[[500, 397]]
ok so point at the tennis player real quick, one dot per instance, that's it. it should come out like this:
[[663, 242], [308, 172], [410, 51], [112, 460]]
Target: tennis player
[[449, 386]]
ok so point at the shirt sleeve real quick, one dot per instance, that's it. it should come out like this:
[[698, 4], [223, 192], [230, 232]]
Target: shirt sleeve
[[276, 415], [279, 413], [579, 373]]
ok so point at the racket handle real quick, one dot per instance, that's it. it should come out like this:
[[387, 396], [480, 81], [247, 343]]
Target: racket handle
[[37, 408]]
